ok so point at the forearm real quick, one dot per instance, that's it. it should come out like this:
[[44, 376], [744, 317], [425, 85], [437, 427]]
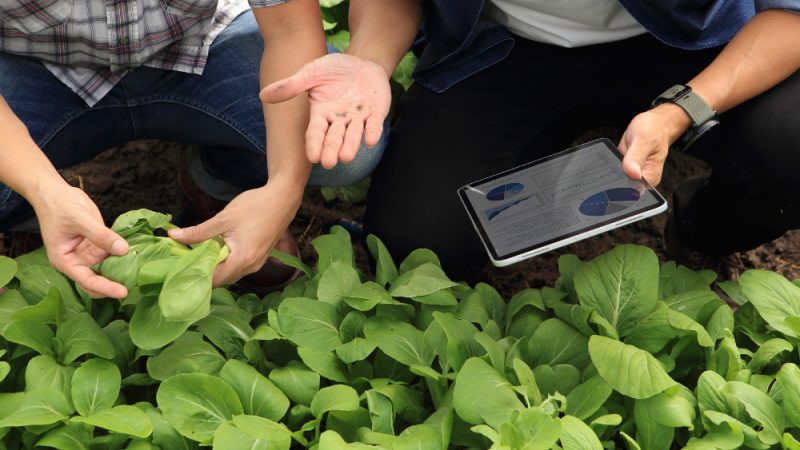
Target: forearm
[[293, 36], [23, 166], [764, 53], [382, 31]]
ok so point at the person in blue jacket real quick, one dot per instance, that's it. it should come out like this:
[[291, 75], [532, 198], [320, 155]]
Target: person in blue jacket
[[502, 82]]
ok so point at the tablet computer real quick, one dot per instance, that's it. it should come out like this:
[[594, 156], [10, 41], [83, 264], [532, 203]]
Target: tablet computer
[[555, 201]]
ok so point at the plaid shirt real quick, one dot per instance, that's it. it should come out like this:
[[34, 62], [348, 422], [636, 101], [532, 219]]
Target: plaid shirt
[[90, 44]]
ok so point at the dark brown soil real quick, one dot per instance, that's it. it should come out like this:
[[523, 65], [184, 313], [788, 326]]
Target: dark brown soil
[[119, 181]]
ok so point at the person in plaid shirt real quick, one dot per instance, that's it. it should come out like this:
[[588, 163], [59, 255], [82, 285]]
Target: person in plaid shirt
[[80, 76]]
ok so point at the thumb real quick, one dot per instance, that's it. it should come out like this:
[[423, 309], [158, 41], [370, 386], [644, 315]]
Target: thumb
[[198, 233], [101, 236], [290, 87], [634, 160]]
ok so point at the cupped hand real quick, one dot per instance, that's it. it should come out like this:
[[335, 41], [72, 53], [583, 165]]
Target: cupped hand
[[250, 224], [76, 238], [349, 100], [647, 139]]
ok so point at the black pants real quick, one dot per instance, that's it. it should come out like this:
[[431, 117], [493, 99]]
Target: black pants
[[536, 102]]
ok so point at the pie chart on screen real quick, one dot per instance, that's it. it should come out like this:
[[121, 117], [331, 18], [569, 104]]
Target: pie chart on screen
[[610, 201], [504, 192]]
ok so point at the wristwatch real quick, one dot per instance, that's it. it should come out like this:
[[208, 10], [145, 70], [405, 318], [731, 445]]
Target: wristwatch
[[703, 117]]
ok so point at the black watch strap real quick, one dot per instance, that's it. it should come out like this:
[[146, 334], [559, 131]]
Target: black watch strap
[[703, 117], [694, 105]]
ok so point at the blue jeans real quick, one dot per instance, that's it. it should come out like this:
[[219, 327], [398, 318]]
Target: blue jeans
[[218, 110]]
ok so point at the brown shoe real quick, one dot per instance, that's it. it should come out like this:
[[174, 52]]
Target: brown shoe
[[274, 275]]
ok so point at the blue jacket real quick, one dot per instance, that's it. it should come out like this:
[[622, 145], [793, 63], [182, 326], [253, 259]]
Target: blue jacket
[[461, 41]]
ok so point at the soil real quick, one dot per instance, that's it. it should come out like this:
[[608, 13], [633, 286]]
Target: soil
[[118, 181]]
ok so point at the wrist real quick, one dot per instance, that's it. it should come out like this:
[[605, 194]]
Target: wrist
[[374, 57], [40, 189], [676, 121]]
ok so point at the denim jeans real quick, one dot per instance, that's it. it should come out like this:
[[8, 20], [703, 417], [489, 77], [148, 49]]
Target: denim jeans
[[219, 111]]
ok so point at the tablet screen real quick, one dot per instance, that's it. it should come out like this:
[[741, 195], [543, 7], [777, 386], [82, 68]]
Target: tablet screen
[[555, 198]]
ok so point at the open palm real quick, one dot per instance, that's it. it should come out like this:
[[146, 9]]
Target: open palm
[[349, 100]]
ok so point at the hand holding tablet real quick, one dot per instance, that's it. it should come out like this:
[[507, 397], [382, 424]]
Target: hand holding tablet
[[555, 201]]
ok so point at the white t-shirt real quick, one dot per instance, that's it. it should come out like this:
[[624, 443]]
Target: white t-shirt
[[566, 23]]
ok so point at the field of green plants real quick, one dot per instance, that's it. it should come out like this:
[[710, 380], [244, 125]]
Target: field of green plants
[[620, 353]]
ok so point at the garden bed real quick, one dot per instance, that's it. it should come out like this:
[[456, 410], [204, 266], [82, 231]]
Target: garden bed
[[115, 180]]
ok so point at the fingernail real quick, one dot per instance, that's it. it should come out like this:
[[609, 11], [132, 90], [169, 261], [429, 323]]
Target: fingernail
[[176, 233], [119, 247]]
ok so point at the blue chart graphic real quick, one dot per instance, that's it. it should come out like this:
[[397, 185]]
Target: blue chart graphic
[[609, 202], [504, 192], [496, 211]]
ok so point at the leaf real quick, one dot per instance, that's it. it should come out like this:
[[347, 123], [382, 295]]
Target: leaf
[[310, 323], [684, 323], [254, 433], [576, 435], [588, 397], [291, 261], [150, 329], [196, 404], [124, 419], [622, 285], [385, 270], [399, 340], [337, 281], [761, 408], [561, 379], [227, 328], [675, 279], [356, 350], [532, 429], [461, 343], [258, 395], [418, 437], [42, 406], [72, 436], [767, 352], [417, 258], [627, 369], [482, 395], [44, 372], [420, 281], [140, 221], [11, 301], [381, 412], [334, 398], [367, 296], [324, 363], [775, 298], [555, 342], [650, 434], [296, 381], [95, 386], [726, 436], [789, 380], [186, 293], [46, 311], [674, 410], [335, 246], [34, 335], [8, 268], [164, 435], [81, 335], [189, 347], [522, 299], [36, 281], [698, 305]]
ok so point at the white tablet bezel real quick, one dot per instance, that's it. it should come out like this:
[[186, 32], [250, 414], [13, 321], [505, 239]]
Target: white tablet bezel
[[569, 238]]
